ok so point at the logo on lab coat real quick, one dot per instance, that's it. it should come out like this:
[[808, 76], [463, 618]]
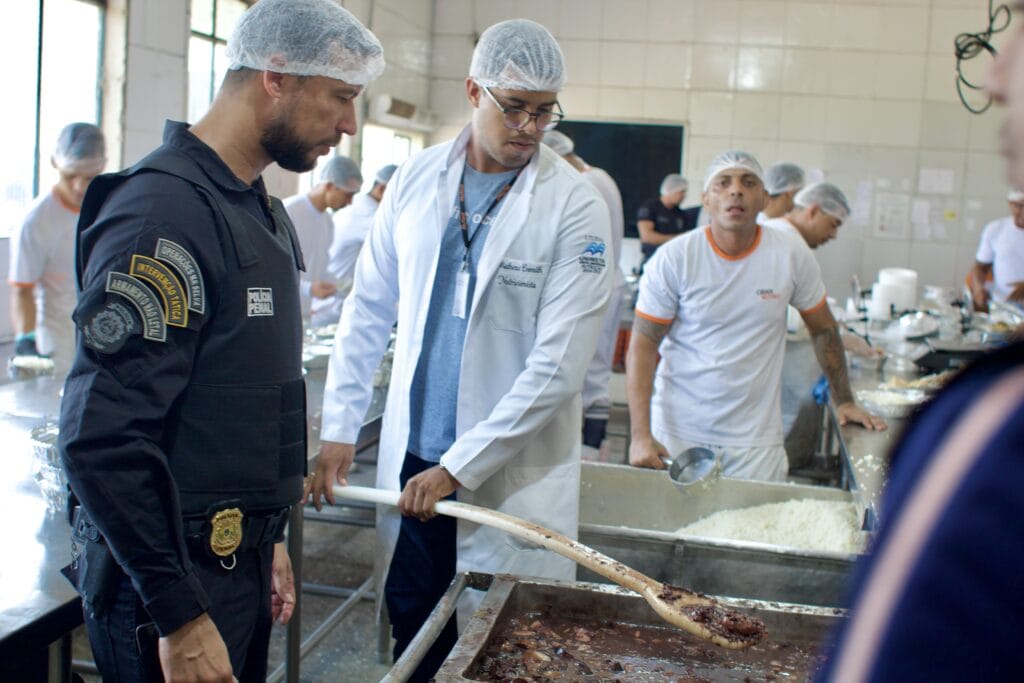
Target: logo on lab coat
[[592, 258]]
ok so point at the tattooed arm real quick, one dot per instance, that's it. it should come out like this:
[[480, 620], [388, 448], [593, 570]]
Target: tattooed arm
[[641, 362], [828, 347]]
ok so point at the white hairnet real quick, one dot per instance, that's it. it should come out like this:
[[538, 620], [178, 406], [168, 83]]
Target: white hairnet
[[518, 54], [80, 146], [734, 158], [674, 182], [341, 172], [305, 38], [559, 142], [1015, 196], [384, 174], [783, 177], [827, 196]]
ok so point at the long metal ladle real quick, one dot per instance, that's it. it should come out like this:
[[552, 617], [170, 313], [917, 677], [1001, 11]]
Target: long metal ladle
[[702, 616]]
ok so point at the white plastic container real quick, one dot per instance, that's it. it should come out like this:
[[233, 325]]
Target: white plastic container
[[905, 282], [883, 297]]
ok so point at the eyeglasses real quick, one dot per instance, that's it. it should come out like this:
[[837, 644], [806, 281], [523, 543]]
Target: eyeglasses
[[517, 119]]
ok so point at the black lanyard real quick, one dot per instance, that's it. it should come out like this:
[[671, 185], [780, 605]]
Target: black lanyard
[[467, 239]]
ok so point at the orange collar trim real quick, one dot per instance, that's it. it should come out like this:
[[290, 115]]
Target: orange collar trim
[[738, 257], [63, 203]]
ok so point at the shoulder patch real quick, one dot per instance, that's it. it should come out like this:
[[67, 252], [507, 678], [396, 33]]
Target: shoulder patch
[[145, 302], [106, 328], [166, 284], [182, 261]]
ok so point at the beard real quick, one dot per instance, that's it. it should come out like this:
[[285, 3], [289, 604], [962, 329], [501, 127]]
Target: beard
[[506, 156], [287, 149]]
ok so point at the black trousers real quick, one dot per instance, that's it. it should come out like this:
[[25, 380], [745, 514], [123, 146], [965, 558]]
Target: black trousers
[[421, 570], [124, 639]]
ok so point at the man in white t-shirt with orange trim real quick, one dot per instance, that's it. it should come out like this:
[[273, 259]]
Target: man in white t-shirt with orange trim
[[998, 271], [42, 265], [713, 303], [818, 211]]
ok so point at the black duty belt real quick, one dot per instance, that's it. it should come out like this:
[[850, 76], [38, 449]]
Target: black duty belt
[[255, 531], [246, 531]]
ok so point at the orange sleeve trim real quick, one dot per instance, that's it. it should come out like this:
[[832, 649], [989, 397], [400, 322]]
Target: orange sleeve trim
[[737, 257], [651, 318], [12, 283], [817, 307]]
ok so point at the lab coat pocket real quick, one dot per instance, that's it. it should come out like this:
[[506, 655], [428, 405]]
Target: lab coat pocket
[[539, 494], [515, 295]]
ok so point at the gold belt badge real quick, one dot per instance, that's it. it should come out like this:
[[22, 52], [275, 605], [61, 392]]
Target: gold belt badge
[[226, 534]]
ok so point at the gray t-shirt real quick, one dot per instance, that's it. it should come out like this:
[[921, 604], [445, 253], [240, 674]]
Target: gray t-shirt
[[433, 397]]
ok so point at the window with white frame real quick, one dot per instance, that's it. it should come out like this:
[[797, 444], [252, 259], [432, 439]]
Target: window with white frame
[[380, 146], [56, 82], [212, 22], [383, 146]]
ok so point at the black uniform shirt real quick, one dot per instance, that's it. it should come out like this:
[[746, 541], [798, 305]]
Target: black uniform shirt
[[667, 221], [122, 385]]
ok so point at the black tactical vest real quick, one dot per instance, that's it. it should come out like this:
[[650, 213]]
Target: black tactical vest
[[238, 431]]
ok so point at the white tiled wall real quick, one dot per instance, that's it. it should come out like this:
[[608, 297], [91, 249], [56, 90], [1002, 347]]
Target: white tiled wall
[[862, 90], [156, 78]]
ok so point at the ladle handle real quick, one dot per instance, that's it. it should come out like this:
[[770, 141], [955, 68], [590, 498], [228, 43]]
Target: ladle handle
[[596, 562]]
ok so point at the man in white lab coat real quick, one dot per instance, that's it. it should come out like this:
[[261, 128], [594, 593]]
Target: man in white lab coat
[[596, 398], [490, 252], [351, 225], [312, 214]]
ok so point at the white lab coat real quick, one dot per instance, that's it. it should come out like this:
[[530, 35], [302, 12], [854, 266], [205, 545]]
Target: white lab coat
[[596, 398], [529, 338]]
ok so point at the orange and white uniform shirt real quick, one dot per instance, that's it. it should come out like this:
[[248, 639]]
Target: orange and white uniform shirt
[[720, 375], [43, 256]]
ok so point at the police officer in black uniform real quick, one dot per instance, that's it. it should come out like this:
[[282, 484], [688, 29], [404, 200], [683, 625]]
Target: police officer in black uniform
[[660, 219], [183, 425]]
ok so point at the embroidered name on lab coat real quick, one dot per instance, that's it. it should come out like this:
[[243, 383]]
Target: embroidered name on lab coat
[[514, 273]]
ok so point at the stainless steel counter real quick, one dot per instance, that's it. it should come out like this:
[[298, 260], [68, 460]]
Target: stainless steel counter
[[864, 454], [37, 605]]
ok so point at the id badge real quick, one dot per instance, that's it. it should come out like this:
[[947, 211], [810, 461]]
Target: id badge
[[461, 302]]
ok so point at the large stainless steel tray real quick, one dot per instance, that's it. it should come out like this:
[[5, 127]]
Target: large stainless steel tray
[[632, 514], [794, 631]]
